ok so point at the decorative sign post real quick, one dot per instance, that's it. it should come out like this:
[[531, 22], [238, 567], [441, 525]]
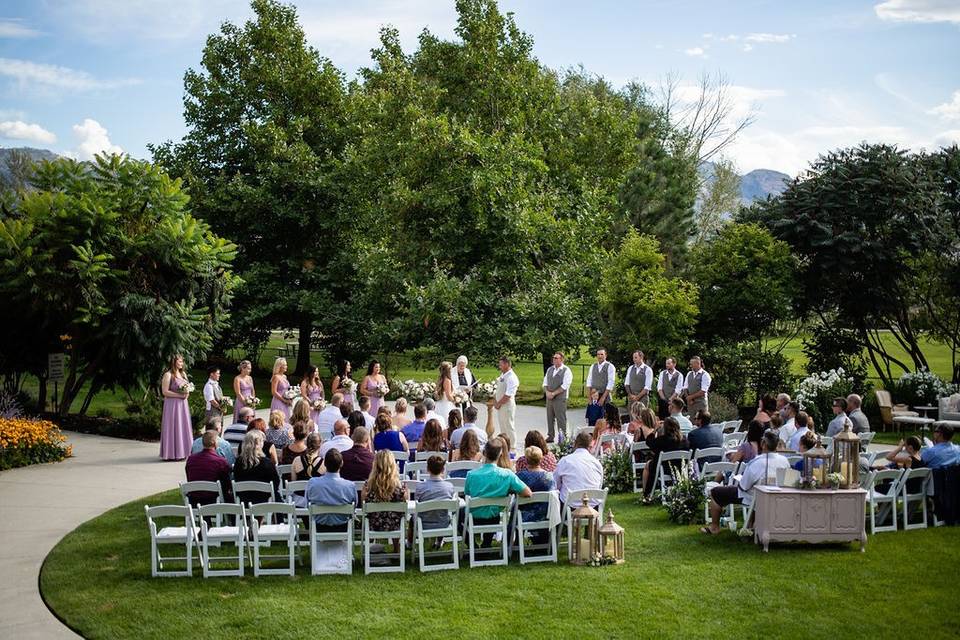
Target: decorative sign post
[[56, 373]]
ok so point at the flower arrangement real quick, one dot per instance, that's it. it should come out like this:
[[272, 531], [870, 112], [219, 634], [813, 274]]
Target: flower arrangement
[[24, 442], [563, 446], [618, 468], [835, 479], [318, 405], [600, 560], [252, 401], [816, 392], [226, 405], [382, 390], [349, 386], [921, 387], [413, 390], [485, 391], [188, 388], [460, 396], [684, 503], [292, 393]]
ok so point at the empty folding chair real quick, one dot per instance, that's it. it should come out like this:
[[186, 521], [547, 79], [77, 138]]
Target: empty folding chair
[[461, 467], [598, 500], [344, 537], [883, 488], [423, 456], [185, 536], [283, 529], [638, 466], [473, 529], [537, 526], [866, 438], [707, 455], [433, 530], [221, 536], [914, 487], [733, 440], [370, 535]]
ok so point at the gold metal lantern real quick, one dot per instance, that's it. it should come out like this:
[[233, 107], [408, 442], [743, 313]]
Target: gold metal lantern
[[611, 540], [585, 533], [846, 457], [816, 465]]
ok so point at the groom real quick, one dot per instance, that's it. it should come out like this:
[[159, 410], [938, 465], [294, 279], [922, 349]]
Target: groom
[[505, 399]]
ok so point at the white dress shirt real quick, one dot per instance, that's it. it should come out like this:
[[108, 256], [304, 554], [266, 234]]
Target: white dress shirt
[[211, 391], [648, 382], [341, 443], [368, 420], [787, 430], [511, 381], [576, 471], [794, 443], [457, 435], [327, 418], [611, 375], [663, 378], [567, 377], [761, 470], [704, 380]]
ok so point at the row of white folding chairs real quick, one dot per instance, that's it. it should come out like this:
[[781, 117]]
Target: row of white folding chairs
[[883, 502], [661, 479]]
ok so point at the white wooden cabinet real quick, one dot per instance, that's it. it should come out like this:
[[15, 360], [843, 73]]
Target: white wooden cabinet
[[796, 515]]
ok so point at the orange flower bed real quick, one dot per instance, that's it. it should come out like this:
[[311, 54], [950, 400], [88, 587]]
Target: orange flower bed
[[24, 441]]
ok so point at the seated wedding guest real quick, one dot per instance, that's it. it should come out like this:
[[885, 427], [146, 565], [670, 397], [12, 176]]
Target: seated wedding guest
[[578, 470], [331, 490], [766, 406], [209, 465], [277, 433], [548, 461], [505, 460], [859, 419], [758, 472], [469, 450], [384, 485], [537, 479], [330, 415], [676, 412], [399, 417], [364, 407], [301, 415], [493, 481], [340, 440], [943, 453], [309, 463], [647, 424], [235, 432], [432, 438], [750, 447], [387, 438], [223, 447], [803, 427], [776, 421], [414, 428], [609, 424], [839, 416], [705, 435], [270, 451], [806, 442], [358, 459], [435, 487], [906, 455], [252, 464], [789, 426], [293, 450], [470, 422], [668, 438], [430, 405], [354, 420], [454, 422]]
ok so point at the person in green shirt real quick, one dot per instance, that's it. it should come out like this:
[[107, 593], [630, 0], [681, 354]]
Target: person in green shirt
[[491, 481]]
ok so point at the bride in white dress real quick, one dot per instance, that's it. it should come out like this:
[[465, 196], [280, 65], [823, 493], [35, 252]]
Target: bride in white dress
[[445, 402]]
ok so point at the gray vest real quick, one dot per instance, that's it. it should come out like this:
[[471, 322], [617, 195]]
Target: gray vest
[[693, 382], [599, 377], [555, 380], [637, 380], [670, 384]]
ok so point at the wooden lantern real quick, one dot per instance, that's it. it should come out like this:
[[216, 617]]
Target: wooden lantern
[[611, 540], [846, 457], [585, 533]]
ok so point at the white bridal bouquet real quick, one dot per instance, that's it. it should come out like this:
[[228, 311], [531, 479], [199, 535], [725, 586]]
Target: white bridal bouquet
[[252, 401], [292, 393], [485, 391], [460, 396], [349, 386]]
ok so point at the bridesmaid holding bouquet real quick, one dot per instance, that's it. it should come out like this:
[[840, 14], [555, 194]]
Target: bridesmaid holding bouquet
[[311, 391], [343, 384], [371, 386], [242, 388], [279, 385], [176, 427]]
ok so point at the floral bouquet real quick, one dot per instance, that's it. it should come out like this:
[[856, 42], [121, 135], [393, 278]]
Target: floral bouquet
[[835, 479], [292, 393], [460, 396], [383, 389], [349, 386], [226, 405], [252, 401], [411, 390], [485, 391], [318, 405], [188, 388]]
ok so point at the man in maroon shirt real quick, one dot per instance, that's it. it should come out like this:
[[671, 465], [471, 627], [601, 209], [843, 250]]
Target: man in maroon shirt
[[209, 465], [358, 459]]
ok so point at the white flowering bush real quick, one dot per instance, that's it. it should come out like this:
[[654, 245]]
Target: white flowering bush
[[816, 392], [412, 390], [921, 387]]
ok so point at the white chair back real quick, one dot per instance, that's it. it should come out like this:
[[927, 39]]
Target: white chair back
[[344, 537], [422, 456], [185, 535], [461, 465], [197, 486]]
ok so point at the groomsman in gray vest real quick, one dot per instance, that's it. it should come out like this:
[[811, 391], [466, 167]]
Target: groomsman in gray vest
[[601, 378], [669, 386], [556, 385], [696, 387], [638, 381]]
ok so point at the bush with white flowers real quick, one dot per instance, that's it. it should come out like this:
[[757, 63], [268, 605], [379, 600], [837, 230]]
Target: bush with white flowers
[[816, 392], [921, 387]]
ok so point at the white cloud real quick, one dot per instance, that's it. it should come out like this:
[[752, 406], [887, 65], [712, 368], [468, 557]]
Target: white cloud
[[730, 38], [54, 76], [948, 110], [743, 101], [695, 52], [947, 138], [13, 28], [747, 48], [97, 20], [19, 130], [919, 11], [778, 38], [92, 139]]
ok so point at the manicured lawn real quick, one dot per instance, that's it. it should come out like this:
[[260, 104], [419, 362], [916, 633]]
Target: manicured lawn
[[676, 584]]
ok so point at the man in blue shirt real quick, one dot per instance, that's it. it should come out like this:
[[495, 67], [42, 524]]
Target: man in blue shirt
[[414, 429], [943, 453], [331, 490], [706, 435], [491, 481], [223, 447], [470, 422]]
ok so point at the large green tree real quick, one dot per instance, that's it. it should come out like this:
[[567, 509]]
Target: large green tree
[[103, 260], [266, 128]]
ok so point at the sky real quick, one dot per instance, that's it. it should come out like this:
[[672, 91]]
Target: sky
[[80, 77]]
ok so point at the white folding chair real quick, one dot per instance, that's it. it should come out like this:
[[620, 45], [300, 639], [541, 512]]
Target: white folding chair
[[585, 429], [458, 484], [909, 498], [826, 442], [461, 465], [292, 487], [596, 497], [235, 534], [423, 456], [400, 457], [399, 534], [668, 459], [522, 527], [283, 470], [254, 487], [866, 439], [735, 439], [710, 470], [421, 534], [867, 458], [316, 537], [472, 530], [707, 452], [729, 426], [199, 486], [411, 486], [883, 502], [638, 466], [185, 536], [285, 532], [415, 470]]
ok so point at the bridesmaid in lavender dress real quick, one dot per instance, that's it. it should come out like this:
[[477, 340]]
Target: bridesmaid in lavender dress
[[242, 388], [278, 389], [176, 427], [369, 388], [311, 388], [338, 385]]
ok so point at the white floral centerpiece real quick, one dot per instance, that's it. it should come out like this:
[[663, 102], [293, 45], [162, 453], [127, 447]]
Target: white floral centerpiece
[[460, 396], [485, 391]]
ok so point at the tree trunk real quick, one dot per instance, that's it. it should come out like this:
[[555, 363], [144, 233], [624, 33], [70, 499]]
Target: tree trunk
[[303, 345], [42, 394], [92, 391]]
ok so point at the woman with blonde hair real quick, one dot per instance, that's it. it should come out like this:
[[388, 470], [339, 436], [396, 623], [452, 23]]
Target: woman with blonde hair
[[504, 461], [384, 485], [302, 414], [308, 464], [176, 426], [242, 388], [279, 385], [399, 416], [252, 464], [277, 433], [445, 390], [311, 391]]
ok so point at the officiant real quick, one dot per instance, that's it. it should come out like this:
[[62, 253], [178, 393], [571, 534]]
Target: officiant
[[463, 379]]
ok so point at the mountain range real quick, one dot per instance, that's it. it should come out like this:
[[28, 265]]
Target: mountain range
[[35, 155]]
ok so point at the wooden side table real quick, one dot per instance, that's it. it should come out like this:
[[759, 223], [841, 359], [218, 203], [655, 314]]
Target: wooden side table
[[798, 515]]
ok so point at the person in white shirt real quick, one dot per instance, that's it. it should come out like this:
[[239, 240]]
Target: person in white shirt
[[762, 470], [329, 416], [470, 416], [212, 393], [789, 426], [578, 470], [676, 412], [696, 386], [602, 377], [669, 386], [638, 381], [340, 441], [463, 379], [556, 387], [803, 426], [505, 399], [432, 414], [364, 405]]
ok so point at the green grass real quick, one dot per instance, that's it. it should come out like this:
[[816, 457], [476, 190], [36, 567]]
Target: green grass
[[676, 583]]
